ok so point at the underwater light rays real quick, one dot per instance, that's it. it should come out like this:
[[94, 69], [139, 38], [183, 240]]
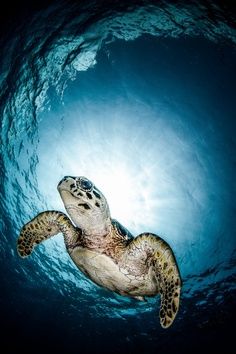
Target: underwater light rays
[[137, 166]]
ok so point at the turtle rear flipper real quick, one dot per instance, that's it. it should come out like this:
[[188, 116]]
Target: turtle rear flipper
[[42, 227]]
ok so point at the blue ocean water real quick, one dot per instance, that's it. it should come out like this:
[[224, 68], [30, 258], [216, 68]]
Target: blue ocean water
[[139, 97]]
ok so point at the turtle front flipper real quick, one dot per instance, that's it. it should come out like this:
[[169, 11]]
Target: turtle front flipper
[[157, 254], [169, 282], [44, 226]]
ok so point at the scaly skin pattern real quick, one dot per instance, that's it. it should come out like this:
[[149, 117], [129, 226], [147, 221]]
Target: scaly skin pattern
[[105, 251]]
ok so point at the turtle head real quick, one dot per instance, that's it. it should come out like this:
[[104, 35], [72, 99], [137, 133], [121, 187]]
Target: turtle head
[[85, 204]]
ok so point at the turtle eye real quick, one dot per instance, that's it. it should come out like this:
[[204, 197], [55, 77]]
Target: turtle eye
[[85, 184]]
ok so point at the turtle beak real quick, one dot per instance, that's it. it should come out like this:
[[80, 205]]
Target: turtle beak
[[65, 179]]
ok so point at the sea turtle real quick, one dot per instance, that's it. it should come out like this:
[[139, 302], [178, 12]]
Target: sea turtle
[[104, 250]]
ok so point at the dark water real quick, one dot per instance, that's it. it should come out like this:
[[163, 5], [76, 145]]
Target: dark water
[[140, 98]]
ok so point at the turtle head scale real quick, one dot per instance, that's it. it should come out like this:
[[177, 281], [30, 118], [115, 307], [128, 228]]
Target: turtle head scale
[[85, 204]]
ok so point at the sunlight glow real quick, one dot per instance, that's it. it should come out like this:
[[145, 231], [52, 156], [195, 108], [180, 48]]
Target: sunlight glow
[[121, 190], [139, 180]]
